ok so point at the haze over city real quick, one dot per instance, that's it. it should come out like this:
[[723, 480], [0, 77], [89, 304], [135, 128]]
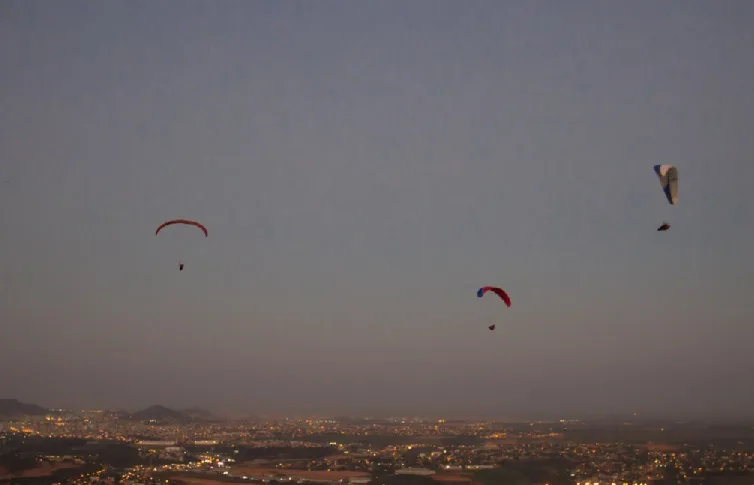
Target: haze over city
[[362, 169]]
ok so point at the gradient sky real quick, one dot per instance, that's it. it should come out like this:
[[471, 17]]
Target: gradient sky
[[363, 167]]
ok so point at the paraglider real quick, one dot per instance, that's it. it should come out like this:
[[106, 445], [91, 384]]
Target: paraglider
[[499, 292], [181, 221], [668, 176]]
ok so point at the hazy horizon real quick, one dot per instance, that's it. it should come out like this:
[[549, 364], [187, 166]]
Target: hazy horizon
[[363, 168], [223, 412]]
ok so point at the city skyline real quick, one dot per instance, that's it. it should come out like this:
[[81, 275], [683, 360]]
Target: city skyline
[[362, 169], [150, 447]]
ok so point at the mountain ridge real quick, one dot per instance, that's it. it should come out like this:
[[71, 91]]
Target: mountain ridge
[[14, 407]]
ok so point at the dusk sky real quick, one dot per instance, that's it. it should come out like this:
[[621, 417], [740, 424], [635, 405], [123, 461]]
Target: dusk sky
[[363, 167]]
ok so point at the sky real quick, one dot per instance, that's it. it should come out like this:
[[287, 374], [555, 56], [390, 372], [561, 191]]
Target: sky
[[363, 168]]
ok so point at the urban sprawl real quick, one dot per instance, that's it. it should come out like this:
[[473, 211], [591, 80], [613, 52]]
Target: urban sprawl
[[107, 447]]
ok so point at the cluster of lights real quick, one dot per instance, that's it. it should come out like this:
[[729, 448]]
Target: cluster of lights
[[613, 483]]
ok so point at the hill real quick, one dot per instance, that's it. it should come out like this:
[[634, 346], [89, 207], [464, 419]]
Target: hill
[[160, 414], [13, 407]]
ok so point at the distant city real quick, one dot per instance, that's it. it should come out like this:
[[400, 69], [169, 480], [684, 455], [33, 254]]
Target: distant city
[[194, 446]]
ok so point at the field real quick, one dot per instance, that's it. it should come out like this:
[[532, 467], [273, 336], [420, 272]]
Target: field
[[444, 478], [197, 481], [452, 478], [245, 470], [316, 475], [41, 470]]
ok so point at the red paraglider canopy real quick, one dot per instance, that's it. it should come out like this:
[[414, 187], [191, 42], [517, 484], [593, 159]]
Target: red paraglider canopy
[[498, 291], [182, 221]]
